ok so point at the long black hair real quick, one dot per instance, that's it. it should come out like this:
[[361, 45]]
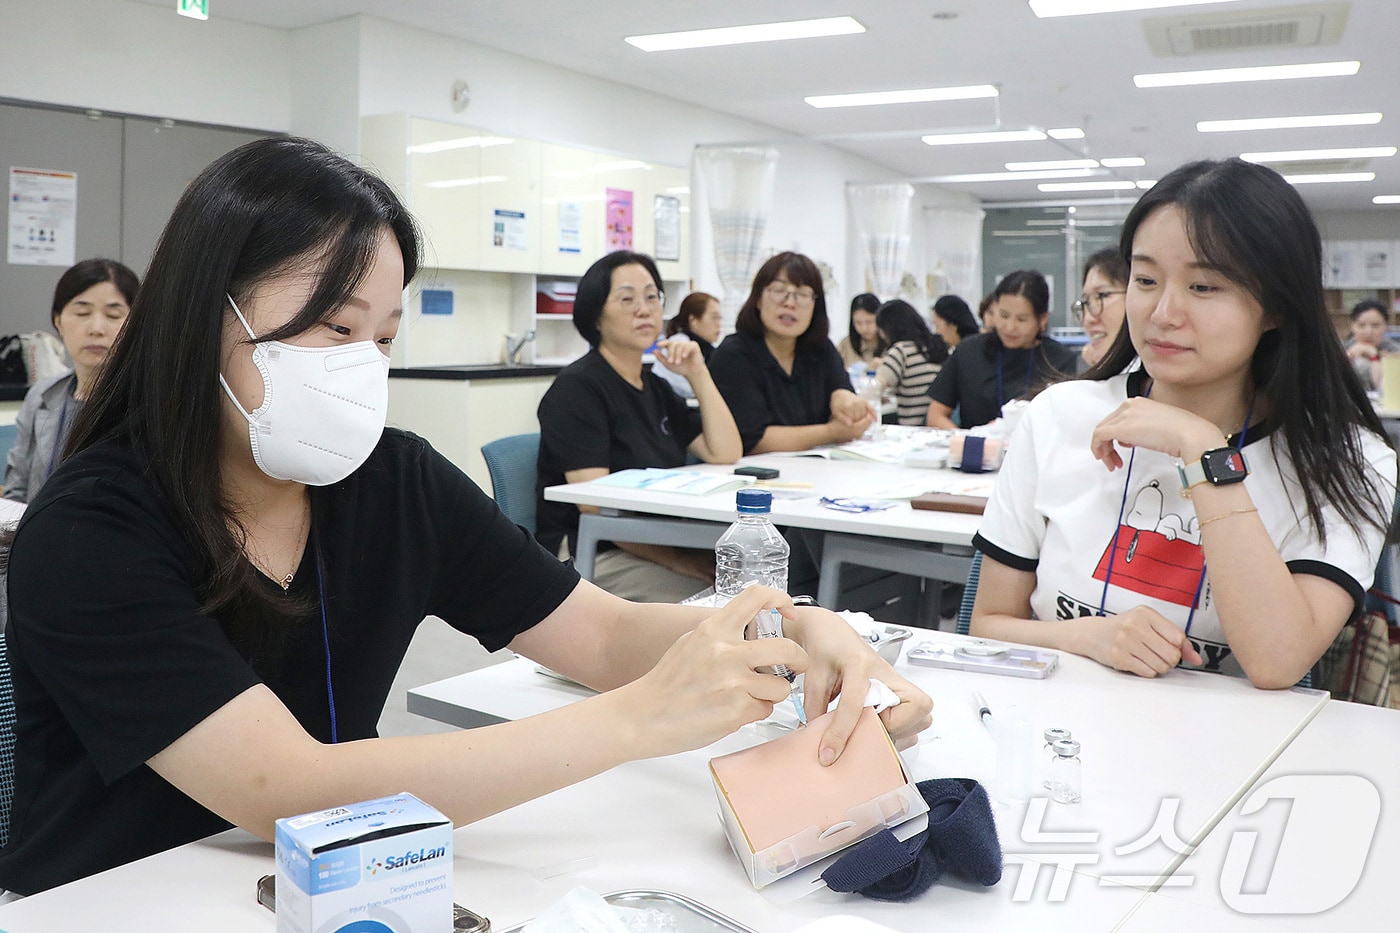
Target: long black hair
[[1246, 221], [955, 311], [898, 321], [868, 302], [265, 208]]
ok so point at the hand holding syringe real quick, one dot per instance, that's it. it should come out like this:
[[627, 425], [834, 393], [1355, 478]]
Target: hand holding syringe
[[768, 623]]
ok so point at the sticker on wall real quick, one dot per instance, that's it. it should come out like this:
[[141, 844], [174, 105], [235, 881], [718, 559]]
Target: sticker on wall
[[508, 230], [619, 217], [667, 212], [570, 227], [43, 217], [437, 301]]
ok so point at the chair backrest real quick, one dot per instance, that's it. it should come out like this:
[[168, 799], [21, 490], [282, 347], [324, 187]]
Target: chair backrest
[[511, 462], [8, 435], [7, 740], [974, 575]]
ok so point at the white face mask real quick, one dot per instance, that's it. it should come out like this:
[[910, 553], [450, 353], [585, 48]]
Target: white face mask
[[323, 408]]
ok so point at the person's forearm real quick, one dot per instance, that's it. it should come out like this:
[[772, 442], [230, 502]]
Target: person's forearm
[[721, 438], [940, 416], [1058, 635], [1267, 621], [779, 437]]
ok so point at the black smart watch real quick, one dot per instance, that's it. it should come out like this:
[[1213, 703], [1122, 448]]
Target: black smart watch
[[1219, 467]]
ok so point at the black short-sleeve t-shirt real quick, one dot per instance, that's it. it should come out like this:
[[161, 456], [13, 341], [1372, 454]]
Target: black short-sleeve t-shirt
[[113, 660], [760, 392], [982, 375], [592, 417]]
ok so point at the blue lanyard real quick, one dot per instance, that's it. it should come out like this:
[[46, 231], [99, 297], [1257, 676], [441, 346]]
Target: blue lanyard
[[1117, 530], [325, 636], [1026, 390]]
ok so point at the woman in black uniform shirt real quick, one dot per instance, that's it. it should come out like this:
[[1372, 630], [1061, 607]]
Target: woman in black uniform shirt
[[255, 550], [1005, 363], [605, 412], [779, 372]]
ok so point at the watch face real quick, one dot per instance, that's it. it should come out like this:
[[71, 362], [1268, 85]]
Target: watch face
[[1224, 465]]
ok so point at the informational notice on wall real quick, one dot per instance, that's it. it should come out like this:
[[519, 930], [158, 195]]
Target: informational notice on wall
[[43, 217], [570, 227], [667, 212], [509, 231], [619, 219]]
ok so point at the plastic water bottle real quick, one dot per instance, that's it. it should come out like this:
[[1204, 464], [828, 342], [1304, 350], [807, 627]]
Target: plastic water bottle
[[869, 389], [751, 551]]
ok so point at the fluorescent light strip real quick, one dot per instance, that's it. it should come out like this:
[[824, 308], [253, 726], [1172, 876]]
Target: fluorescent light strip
[[1288, 123], [1146, 183], [1329, 179], [1011, 176], [1087, 186], [464, 182], [912, 96], [1061, 163], [1308, 155], [463, 142], [1046, 223], [742, 35], [1386, 199], [1259, 73], [1066, 132], [996, 136], [1048, 8], [1125, 162]]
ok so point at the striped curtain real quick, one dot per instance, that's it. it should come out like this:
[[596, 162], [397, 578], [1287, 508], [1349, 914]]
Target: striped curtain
[[739, 189]]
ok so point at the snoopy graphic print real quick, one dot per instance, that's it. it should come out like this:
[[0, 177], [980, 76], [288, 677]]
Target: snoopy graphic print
[[1155, 552]]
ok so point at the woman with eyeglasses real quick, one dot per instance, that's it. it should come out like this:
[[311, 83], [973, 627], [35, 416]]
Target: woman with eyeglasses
[[606, 412], [1005, 363], [1369, 320], [779, 371], [1101, 305]]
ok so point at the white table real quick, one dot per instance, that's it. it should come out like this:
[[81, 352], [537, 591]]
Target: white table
[[654, 824], [1326, 772]]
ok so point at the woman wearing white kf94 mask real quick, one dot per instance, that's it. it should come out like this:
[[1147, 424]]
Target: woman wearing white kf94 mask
[[211, 596]]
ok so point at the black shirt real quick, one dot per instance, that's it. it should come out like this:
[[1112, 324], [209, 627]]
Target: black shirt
[[968, 380], [113, 660], [592, 417], [760, 392]]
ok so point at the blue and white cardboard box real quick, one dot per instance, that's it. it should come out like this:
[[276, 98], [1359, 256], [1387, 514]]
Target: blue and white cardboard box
[[382, 866]]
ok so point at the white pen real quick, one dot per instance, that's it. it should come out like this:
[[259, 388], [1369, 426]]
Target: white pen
[[983, 710]]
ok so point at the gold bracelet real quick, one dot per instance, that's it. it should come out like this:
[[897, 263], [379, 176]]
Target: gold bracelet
[[1226, 515]]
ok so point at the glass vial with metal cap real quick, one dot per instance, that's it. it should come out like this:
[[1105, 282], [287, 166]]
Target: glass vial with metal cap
[[1065, 772], [1051, 737]]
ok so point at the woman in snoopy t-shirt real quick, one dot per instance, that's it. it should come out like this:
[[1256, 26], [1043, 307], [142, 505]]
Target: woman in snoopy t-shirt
[[1224, 500]]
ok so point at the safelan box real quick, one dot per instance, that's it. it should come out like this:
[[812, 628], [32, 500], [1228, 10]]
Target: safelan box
[[386, 863], [783, 811]]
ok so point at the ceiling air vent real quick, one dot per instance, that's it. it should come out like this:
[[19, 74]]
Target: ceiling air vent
[[1289, 27]]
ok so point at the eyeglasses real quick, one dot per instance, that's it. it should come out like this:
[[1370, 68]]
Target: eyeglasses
[[1093, 304], [629, 302], [782, 294]]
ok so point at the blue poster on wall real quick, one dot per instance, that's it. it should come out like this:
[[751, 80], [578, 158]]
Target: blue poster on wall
[[437, 301]]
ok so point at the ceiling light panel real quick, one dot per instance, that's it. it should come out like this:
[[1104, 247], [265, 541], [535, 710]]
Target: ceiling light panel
[[1049, 8], [742, 35], [1309, 155], [1054, 164], [1087, 186], [1329, 179], [1066, 132], [996, 136], [1012, 176], [1386, 199], [1288, 123], [912, 96], [1125, 162], [1260, 73]]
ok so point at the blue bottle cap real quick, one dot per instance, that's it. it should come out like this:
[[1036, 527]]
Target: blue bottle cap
[[754, 501]]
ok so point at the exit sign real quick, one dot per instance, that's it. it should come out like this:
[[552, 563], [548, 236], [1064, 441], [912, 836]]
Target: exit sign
[[194, 9]]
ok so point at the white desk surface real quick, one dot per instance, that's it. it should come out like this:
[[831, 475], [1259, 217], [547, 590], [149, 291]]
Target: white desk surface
[[654, 824], [1201, 739], [828, 478], [1310, 835]]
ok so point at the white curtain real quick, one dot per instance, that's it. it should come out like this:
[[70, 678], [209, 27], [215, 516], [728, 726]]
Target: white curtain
[[955, 251], [882, 216], [739, 189]]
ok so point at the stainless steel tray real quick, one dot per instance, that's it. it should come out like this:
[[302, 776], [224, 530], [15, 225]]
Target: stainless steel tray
[[690, 916]]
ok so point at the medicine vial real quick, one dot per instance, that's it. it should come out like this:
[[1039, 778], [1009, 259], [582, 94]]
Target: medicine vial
[[1065, 772], [1051, 737]]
